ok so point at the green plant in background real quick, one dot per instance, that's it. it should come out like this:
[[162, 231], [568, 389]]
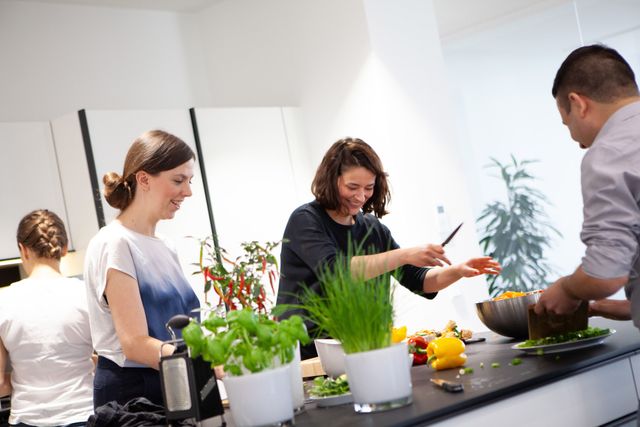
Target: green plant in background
[[355, 311], [245, 341], [517, 233]]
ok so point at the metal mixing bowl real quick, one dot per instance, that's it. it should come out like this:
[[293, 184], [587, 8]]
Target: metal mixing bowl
[[509, 316]]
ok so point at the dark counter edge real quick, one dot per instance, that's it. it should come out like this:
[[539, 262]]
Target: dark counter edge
[[438, 415]]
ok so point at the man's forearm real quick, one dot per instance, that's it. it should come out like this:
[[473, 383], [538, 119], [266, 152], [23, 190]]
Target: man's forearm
[[581, 286]]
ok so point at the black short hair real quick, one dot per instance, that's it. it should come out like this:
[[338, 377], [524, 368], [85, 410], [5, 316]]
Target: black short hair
[[596, 71]]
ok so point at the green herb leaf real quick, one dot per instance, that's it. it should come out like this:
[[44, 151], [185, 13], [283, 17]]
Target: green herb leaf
[[323, 387]]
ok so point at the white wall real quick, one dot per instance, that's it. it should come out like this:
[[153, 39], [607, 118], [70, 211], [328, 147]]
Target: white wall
[[352, 68], [57, 59], [28, 182], [502, 77], [367, 68]]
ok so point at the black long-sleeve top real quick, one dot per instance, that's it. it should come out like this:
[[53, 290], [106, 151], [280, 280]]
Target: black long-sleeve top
[[312, 239]]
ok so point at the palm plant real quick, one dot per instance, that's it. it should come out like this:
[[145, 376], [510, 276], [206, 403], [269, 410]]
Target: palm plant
[[517, 233]]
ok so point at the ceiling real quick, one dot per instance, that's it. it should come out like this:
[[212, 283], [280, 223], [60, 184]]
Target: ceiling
[[455, 17], [168, 5], [460, 17]]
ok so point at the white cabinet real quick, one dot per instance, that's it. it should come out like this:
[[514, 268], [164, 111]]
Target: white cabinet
[[253, 172], [590, 398], [29, 176]]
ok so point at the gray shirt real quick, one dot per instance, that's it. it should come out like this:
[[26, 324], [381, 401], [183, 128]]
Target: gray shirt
[[611, 195]]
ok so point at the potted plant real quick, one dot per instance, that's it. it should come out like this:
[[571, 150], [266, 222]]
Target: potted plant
[[239, 282], [256, 352], [517, 232], [359, 313]]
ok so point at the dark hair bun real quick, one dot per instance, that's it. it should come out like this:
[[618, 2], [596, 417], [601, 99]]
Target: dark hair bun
[[117, 191]]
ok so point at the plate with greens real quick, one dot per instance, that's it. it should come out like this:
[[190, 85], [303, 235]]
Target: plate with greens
[[330, 391], [565, 342]]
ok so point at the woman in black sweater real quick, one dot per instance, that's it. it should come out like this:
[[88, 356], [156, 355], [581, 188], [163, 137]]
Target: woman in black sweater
[[351, 193]]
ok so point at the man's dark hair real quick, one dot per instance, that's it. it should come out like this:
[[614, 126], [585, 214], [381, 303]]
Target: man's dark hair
[[597, 72]]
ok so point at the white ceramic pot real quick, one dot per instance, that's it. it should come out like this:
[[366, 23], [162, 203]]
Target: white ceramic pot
[[297, 388], [380, 379], [262, 398], [331, 356]]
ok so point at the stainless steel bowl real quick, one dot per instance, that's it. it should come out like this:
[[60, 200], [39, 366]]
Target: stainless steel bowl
[[509, 316]]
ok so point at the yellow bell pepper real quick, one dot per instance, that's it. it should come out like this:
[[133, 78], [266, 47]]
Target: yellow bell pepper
[[398, 334], [445, 353]]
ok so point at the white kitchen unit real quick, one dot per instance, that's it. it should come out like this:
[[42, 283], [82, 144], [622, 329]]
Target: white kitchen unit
[[591, 398], [253, 170], [93, 142], [29, 173]]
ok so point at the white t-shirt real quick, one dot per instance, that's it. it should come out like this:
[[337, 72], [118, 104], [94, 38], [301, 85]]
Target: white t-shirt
[[164, 289], [44, 325]]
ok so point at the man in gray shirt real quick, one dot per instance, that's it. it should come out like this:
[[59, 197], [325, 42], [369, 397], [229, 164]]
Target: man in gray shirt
[[598, 100]]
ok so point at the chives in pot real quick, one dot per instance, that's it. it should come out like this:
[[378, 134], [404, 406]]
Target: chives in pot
[[359, 313]]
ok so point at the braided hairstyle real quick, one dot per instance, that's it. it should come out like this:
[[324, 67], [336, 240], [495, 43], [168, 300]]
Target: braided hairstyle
[[44, 233]]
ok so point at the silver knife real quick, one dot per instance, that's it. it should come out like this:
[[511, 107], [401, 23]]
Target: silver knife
[[450, 386], [453, 233]]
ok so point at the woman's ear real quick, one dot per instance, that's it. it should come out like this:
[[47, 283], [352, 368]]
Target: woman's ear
[[65, 251], [24, 253], [142, 180]]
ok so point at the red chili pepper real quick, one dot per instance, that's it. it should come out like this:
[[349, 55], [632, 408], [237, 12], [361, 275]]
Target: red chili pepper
[[264, 265], [418, 347], [218, 292], [242, 282], [271, 279], [242, 300]]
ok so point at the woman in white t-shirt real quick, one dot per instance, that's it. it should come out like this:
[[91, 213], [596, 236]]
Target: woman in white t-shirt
[[44, 332], [135, 283]]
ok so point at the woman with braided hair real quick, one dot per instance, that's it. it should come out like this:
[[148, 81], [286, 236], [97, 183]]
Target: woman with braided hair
[[135, 283], [44, 331]]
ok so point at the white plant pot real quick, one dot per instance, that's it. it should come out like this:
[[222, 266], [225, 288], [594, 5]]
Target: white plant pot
[[297, 387], [331, 356], [262, 398], [380, 379]]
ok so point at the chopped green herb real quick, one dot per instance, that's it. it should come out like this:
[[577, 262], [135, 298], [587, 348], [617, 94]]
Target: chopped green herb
[[323, 387], [516, 361], [557, 357], [495, 365], [468, 370], [566, 337], [482, 365], [539, 352]]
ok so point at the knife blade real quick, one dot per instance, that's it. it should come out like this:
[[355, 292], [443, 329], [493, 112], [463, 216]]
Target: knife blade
[[453, 233], [450, 386]]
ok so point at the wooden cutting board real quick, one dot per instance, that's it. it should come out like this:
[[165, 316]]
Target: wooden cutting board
[[311, 368], [547, 324]]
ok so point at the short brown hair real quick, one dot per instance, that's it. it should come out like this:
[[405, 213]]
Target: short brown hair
[[154, 151], [344, 154], [597, 72], [43, 232]]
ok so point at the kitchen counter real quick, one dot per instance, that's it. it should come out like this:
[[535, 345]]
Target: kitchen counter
[[588, 386]]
